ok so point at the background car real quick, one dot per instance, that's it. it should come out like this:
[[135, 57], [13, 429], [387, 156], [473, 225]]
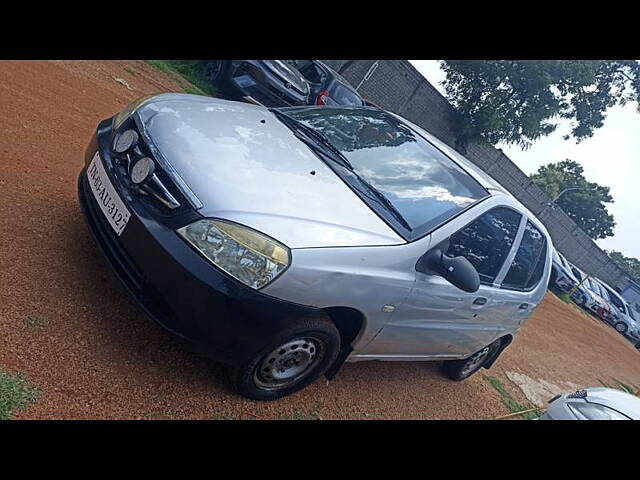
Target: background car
[[622, 318], [328, 87], [562, 276], [272, 83], [593, 404], [590, 297]]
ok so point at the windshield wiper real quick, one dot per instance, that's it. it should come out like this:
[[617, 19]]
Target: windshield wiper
[[382, 199], [298, 126], [339, 158]]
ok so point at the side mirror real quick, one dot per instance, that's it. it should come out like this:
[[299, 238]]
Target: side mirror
[[456, 270]]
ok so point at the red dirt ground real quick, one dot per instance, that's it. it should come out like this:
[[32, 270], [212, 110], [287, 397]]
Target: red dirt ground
[[97, 356]]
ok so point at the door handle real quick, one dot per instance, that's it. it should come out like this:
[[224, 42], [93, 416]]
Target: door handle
[[523, 306], [480, 301]]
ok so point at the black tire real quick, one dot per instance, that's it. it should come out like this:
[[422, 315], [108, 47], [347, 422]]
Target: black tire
[[318, 335], [582, 301], [458, 369], [215, 71], [621, 327]]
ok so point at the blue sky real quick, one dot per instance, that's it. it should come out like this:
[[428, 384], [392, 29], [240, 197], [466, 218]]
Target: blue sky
[[611, 158]]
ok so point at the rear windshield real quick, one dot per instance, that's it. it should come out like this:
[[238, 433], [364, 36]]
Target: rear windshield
[[422, 184], [342, 95]]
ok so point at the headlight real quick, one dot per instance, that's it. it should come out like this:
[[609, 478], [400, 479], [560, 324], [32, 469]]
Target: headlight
[[129, 109], [247, 255]]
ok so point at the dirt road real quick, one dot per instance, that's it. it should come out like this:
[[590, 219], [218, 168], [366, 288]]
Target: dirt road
[[67, 324]]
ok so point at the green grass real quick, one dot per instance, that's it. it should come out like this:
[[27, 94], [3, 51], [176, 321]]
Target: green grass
[[35, 321], [15, 393], [561, 295], [189, 70], [510, 402], [626, 388]]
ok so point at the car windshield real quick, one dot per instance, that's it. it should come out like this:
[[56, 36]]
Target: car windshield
[[421, 183]]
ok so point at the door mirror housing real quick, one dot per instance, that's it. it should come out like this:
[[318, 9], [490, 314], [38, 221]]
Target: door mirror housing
[[456, 270]]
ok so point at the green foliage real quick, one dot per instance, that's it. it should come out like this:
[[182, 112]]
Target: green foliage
[[586, 206], [516, 101], [35, 321], [628, 264], [15, 393], [191, 70]]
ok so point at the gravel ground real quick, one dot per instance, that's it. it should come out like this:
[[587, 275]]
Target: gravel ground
[[67, 324]]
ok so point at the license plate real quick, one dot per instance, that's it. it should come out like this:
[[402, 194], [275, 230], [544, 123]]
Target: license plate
[[110, 203]]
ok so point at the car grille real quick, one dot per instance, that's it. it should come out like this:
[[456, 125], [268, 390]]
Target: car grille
[[579, 394], [160, 195], [105, 235]]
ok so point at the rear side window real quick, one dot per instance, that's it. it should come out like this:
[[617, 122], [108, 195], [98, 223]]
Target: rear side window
[[613, 298], [486, 241], [343, 96], [527, 266]]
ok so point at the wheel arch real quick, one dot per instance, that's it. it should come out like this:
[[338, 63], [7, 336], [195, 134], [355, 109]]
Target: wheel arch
[[350, 324], [505, 341]]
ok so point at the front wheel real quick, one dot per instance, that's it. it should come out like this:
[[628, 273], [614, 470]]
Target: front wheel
[[215, 71], [292, 359], [621, 327], [459, 370]]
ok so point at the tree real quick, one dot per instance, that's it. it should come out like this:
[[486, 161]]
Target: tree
[[585, 206], [516, 101], [628, 264]]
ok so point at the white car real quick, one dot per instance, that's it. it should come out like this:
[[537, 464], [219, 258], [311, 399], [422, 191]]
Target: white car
[[594, 404]]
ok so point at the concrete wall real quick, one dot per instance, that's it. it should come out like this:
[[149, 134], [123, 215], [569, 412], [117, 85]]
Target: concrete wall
[[397, 86]]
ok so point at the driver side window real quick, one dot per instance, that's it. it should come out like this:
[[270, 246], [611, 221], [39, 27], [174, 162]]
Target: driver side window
[[486, 241]]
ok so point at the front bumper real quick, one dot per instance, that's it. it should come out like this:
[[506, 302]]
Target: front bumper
[[218, 316]]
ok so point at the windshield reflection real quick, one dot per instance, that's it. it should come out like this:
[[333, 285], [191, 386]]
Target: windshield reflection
[[423, 184]]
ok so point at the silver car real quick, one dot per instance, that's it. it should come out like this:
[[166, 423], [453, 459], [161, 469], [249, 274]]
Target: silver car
[[287, 241], [562, 277], [593, 404], [623, 319]]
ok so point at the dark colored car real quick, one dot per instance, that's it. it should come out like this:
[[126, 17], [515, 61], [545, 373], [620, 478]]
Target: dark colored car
[[328, 87], [272, 83]]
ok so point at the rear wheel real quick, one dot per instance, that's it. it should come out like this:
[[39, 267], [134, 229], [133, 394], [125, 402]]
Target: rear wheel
[[291, 359], [621, 327], [215, 71], [462, 369]]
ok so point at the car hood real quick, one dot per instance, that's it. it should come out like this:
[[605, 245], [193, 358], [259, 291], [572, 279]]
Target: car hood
[[289, 74], [244, 165], [624, 402]]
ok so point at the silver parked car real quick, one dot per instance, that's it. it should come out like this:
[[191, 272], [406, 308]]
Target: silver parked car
[[623, 319], [287, 241], [562, 277], [593, 404], [589, 296]]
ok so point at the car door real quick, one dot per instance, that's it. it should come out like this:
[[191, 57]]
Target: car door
[[520, 283], [439, 320]]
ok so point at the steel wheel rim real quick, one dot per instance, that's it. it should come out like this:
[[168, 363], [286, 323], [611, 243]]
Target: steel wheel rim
[[475, 361], [621, 327], [288, 363]]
